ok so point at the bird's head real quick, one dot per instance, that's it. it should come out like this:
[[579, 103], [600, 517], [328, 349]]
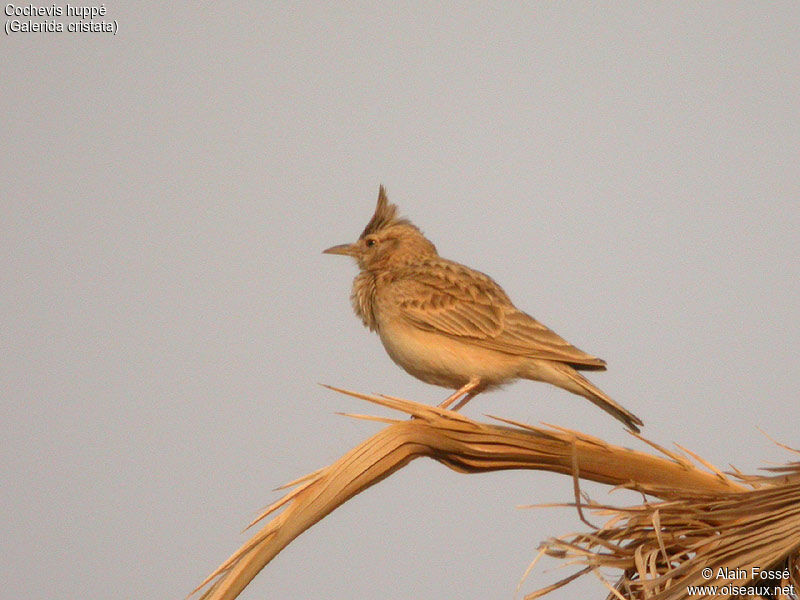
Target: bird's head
[[387, 241]]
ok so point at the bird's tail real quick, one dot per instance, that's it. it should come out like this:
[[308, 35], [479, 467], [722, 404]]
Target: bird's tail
[[578, 384]]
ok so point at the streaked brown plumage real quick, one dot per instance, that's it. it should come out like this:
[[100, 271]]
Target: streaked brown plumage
[[449, 325]]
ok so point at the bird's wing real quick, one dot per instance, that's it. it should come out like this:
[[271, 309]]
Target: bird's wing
[[525, 335], [465, 304]]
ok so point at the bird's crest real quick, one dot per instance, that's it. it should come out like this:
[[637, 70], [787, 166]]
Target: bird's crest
[[385, 215]]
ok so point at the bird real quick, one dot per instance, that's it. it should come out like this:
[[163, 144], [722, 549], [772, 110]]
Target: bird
[[455, 327]]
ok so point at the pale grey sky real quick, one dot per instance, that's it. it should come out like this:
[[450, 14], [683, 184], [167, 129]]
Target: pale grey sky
[[628, 172]]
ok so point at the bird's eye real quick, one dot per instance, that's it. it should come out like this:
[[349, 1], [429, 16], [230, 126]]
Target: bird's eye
[[371, 242]]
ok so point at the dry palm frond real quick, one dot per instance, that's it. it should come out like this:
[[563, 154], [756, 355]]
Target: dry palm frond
[[469, 446], [665, 547], [679, 547]]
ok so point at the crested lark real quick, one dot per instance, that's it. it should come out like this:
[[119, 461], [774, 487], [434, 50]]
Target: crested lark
[[451, 326]]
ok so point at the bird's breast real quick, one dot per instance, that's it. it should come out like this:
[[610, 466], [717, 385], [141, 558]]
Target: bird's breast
[[443, 360], [363, 298]]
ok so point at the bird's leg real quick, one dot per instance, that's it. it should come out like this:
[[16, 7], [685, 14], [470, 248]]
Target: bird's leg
[[465, 390], [463, 402]]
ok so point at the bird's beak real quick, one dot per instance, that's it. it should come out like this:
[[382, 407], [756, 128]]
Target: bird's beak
[[346, 249]]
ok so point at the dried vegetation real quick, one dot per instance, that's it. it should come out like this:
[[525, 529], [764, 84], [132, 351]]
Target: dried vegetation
[[693, 517]]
